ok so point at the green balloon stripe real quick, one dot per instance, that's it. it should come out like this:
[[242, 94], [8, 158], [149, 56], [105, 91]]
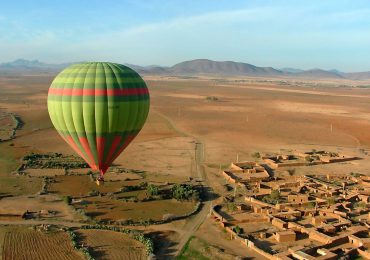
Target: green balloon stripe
[[113, 85], [59, 98]]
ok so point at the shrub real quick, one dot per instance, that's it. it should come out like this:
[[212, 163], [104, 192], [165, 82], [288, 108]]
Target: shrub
[[67, 200], [273, 198], [256, 155], [212, 98], [231, 207], [94, 193], [359, 204], [152, 190], [185, 192], [238, 230]]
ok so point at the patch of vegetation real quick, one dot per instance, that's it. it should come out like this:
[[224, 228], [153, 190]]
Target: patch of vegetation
[[53, 161], [85, 250], [359, 204], [185, 192], [238, 230], [189, 253], [356, 174], [93, 193], [231, 207], [67, 200], [273, 198], [152, 190], [256, 155], [212, 98], [141, 186]]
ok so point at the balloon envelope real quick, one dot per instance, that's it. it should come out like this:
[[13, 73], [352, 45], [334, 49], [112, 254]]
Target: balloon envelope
[[98, 108]]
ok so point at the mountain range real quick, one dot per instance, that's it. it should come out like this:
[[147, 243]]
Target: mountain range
[[200, 67]]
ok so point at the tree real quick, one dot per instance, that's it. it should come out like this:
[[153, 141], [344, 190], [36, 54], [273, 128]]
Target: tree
[[67, 200], [275, 195], [184, 192], [152, 190], [238, 230], [256, 155]]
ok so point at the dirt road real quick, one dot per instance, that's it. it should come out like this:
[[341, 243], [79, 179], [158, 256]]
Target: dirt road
[[194, 222]]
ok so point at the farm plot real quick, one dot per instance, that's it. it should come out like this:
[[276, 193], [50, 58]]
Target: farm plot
[[29, 244], [81, 185], [101, 208], [112, 245]]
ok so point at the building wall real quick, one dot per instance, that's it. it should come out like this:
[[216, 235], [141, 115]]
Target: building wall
[[285, 236]]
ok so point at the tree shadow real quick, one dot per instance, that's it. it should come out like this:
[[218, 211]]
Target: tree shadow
[[164, 248]]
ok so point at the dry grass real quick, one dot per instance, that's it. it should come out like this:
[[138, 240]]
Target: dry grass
[[81, 185]]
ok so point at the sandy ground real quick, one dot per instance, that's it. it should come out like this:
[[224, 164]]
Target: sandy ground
[[19, 205], [248, 116]]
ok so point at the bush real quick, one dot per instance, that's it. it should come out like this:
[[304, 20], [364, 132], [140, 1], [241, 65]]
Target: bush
[[67, 200], [359, 204], [238, 230], [231, 207], [185, 192], [152, 190], [256, 155], [275, 194], [94, 193], [212, 98], [273, 198]]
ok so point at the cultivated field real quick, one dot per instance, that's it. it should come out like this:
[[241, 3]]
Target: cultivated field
[[112, 245], [110, 209], [28, 244]]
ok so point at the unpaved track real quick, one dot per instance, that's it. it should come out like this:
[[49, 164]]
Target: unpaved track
[[194, 222]]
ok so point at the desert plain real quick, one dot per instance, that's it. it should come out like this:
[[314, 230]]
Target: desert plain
[[196, 127]]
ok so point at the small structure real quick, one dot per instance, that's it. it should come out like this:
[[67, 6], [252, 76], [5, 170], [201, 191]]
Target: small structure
[[285, 236], [298, 198], [244, 172]]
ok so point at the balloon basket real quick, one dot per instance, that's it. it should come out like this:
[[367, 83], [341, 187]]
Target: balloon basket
[[100, 181]]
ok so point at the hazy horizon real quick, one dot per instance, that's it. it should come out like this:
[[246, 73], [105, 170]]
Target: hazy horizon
[[305, 35]]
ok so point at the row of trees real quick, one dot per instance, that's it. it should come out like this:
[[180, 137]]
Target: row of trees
[[53, 161]]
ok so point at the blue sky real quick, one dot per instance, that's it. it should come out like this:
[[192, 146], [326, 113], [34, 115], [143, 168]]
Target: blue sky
[[302, 34]]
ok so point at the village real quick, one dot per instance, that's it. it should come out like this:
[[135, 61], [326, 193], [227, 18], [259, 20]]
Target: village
[[289, 216]]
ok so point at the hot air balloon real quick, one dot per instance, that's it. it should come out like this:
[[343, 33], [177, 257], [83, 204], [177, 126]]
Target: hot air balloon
[[98, 108]]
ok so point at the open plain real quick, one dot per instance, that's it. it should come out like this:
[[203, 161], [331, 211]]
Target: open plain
[[196, 127]]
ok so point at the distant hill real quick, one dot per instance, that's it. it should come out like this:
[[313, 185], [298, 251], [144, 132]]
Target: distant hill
[[198, 67], [358, 75], [319, 74], [291, 70], [203, 66], [30, 65]]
